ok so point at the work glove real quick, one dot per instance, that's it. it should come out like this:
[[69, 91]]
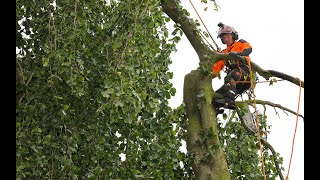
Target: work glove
[[233, 54]]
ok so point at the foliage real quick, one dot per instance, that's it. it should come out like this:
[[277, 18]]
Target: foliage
[[93, 83], [92, 86], [242, 149]]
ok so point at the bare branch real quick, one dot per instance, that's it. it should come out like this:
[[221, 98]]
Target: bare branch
[[273, 105], [269, 73]]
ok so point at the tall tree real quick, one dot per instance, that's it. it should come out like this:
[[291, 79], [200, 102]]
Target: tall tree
[[209, 161], [92, 90]]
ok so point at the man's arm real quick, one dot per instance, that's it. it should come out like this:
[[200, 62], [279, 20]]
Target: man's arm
[[217, 67], [247, 49]]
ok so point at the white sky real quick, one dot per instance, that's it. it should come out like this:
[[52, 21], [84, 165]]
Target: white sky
[[275, 30]]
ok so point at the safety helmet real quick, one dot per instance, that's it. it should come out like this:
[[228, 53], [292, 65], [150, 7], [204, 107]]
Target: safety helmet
[[226, 29]]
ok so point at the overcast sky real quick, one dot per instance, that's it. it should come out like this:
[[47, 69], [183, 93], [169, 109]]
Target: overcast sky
[[275, 30]]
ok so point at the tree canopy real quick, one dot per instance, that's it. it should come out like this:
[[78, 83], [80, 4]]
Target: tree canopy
[[92, 91]]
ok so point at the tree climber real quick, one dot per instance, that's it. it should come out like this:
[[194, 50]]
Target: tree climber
[[236, 69]]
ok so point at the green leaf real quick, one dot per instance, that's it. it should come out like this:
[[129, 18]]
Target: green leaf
[[45, 62], [65, 107], [105, 94], [118, 103]]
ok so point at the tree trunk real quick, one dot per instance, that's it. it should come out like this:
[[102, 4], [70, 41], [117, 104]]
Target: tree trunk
[[202, 133]]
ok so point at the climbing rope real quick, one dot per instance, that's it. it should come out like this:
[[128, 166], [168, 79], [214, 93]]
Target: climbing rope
[[218, 49], [294, 135], [297, 114], [257, 122], [207, 41]]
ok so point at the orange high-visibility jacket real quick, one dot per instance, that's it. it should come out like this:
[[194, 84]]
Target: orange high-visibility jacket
[[242, 47]]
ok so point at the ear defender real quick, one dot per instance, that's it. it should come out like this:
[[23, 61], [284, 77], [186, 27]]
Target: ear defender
[[235, 36]]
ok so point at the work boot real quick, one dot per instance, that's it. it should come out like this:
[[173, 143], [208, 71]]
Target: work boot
[[225, 103], [219, 111], [228, 92]]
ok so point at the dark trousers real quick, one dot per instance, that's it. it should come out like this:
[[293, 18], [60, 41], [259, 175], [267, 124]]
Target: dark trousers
[[236, 74]]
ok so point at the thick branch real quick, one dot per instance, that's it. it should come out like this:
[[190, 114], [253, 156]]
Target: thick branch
[[176, 12], [262, 72], [269, 73]]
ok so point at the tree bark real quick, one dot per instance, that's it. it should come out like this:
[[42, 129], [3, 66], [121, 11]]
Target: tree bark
[[202, 134]]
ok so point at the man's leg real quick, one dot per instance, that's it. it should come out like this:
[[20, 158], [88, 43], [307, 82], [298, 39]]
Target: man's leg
[[246, 84], [228, 90], [226, 96]]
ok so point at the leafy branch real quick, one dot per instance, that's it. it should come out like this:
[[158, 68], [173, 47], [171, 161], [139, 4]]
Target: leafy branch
[[265, 143]]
